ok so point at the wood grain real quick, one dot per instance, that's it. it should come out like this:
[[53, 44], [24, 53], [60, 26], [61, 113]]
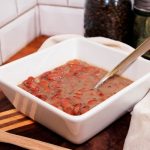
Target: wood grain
[[17, 125], [27, 143], [8, 112], [12, 119]]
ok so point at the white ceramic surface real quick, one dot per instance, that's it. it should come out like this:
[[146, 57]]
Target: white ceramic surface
[[53, 2], [23, 5], [76, 129], [17, 34], [8, 11], [61, 20], [76, 3]]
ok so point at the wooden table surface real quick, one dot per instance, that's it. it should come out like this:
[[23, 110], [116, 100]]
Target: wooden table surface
[[111, 138]]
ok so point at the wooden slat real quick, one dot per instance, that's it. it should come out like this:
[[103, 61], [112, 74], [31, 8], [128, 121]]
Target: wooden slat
[[10, 119], [8, 112], [17, 125]]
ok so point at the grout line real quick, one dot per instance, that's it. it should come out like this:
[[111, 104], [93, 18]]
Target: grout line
[[17, 7], [38, 16], [67, 2], [18, 15]]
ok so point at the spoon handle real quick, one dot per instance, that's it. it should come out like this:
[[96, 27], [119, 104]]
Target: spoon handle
[[140, 50], [27, 143]]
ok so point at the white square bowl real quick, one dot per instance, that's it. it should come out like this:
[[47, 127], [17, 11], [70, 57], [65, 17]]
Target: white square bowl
[[76, 129]]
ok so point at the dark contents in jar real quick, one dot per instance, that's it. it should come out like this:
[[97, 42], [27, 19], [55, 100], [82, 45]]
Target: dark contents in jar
[[147, 55], [141, 25], [70, 87], [112, 19]]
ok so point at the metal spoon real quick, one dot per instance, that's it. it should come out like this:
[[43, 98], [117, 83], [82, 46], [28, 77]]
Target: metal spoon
[[140, 50]]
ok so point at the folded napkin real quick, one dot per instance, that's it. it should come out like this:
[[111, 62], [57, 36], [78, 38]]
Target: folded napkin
[[101, 40], [138, 137]]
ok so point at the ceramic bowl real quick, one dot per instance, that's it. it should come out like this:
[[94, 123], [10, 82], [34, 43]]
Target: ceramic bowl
[[76, 129]]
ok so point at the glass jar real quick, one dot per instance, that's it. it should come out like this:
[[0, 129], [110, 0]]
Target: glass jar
[[109, 18], [142, 23]]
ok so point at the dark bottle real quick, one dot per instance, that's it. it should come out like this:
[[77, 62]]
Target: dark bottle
[[142, 23], [109, 18]]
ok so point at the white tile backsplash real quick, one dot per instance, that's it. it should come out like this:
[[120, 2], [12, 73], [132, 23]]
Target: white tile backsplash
[[61, 20], [53, 2], [76, 3], [21, 21], [17, 34], [24, 5], [8, 11]]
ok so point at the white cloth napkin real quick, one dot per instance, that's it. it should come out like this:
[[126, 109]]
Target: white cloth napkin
[[101, 40], [138, 137]]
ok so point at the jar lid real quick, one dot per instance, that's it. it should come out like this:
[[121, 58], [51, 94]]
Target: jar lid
[[142, 4]]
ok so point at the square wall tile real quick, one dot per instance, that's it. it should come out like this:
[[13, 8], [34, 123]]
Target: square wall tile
[[76, 3], [17, 34], [61, 20], [53, 2], [24, 5], [8, 11]]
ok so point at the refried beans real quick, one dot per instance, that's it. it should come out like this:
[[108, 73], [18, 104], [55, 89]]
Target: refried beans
[[70, 87]]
